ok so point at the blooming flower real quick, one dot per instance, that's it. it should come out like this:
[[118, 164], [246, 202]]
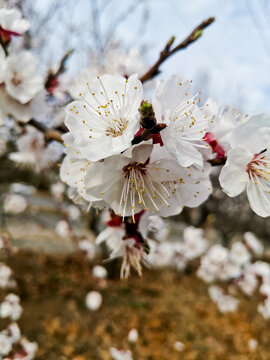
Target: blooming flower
[[14, 204], [253, 243], [21, 78], [162, 255], [87, 75], [194, 243], [14, 332], [225, 303], [73, 169], [175, 106], [5, 344], [248, 283], [154, 224], [117, 61], [239, 253], [21, 112], [104, 121], [262, 270], [30, 349], [213, 263], [10, 307], [132, 182], [5, 276], [32, 150], [248, 164], [221, 125], [12, 24]]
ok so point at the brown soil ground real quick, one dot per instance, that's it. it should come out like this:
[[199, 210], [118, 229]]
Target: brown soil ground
[[164, 306]]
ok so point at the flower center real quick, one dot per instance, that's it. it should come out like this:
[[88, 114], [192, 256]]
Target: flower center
[[143, 191], [259, 167], [16, 79], [116, 127]]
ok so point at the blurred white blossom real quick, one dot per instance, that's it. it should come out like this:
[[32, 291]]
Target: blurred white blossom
[[93, 300]]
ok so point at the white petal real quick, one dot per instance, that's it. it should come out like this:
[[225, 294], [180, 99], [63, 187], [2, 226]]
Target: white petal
[[234, 177], [259, 199]]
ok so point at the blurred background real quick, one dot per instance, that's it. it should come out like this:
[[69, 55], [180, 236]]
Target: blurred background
[[50, 243], [230, 63]]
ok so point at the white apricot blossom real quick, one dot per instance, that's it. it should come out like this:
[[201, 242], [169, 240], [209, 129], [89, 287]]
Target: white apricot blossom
[[36, 108], [133, 181], [12, 23], [239, 254], [32, 151], [194, 244], [86, 75], [112, 236], [10, 307], [175, 106], [117, 61], [248, 164], [222, 122], [73, 168], [106, 118], [5, 276], [5, 344], [253, 243], [14, 203], [21, 76], [225, 303]]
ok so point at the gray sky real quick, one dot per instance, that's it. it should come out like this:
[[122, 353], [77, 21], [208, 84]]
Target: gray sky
[[231, 61], [234, 51]]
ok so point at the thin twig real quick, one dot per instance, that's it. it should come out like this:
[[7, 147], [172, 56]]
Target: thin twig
[[52, 134], [49, 134], [218, 161], [167, 51]]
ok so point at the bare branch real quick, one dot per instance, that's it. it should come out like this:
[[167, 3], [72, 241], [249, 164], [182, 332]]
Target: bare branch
[[49, 134], [167, 51], [218, 161]]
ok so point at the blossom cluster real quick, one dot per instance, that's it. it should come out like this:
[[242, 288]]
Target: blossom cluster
[[135, 157], [236, 268], [131, 156]]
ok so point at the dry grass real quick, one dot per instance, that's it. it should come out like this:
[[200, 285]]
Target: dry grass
[[163, 306]]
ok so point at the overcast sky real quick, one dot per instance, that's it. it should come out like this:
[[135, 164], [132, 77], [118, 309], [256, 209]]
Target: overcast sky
[[234, 52], [231, 62]]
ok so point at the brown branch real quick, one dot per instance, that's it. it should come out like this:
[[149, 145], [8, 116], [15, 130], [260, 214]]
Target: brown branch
[[52, 134], [53, 75], [218, 161], [167, 51], [49, 134]]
